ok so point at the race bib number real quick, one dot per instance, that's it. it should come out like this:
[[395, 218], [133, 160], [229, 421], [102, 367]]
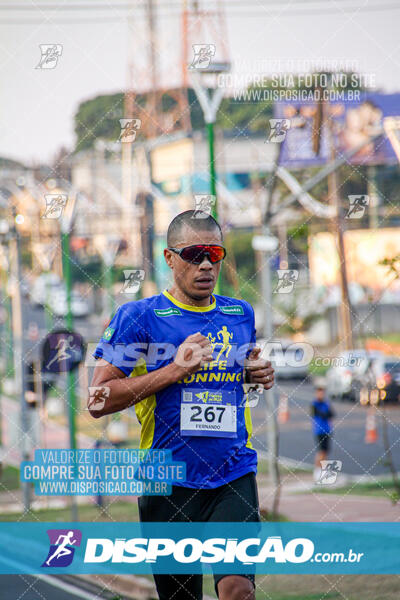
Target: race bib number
[[208, 412]]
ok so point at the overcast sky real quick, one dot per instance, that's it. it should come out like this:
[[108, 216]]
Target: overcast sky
[[38, 105]]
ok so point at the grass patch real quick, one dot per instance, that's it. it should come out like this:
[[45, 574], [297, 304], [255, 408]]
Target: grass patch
[[116, 511], [263, 469], [288, 470], [381, 489], [262, 592], [324, 596], [393, 338], [317, 370], [268, 516], [9, 479], [390, 338]]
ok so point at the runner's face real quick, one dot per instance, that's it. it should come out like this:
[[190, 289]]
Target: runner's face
[[197, 281]]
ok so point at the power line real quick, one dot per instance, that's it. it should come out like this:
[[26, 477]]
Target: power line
[[265, 10], [169, 14], [133, 4], [229, 5]]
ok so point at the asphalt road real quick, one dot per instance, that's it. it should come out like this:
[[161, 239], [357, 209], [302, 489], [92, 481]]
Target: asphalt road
[[296, 441], [29, 587]]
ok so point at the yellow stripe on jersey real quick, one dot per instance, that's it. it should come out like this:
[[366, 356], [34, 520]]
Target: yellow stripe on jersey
[[145, 410], [188, 306], [248, 423]]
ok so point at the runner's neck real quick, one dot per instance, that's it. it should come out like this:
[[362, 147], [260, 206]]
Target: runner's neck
[[177, 295]]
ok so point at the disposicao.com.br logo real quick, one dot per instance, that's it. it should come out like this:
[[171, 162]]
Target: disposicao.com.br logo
[[173, 550], [210, 551]]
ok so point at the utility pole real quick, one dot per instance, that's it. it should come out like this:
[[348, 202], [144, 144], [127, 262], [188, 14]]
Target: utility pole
[[45, 255], [66, 227], [107, 245], [267, 244], [322, 116], [374, 196], [344, 312], [7, 324], [19, 364]]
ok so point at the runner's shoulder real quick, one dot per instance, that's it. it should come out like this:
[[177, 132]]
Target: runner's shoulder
[[130, 317], [140, 308], [234, 306], [142, 305]]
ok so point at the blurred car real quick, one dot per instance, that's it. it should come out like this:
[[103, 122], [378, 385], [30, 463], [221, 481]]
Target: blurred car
[[339, 378], [43, 287], [58, 303], [381, 373], [287, 358]]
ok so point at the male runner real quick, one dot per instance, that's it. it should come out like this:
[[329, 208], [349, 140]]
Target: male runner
[[321, 414], [171, 390]]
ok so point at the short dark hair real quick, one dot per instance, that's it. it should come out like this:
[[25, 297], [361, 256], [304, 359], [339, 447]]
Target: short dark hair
[[193, 218]]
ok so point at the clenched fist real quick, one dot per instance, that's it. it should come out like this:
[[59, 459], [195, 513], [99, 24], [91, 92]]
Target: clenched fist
[[194, 351], [259, 370]]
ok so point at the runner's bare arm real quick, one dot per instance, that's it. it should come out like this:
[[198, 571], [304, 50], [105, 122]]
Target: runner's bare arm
[[125, 391]]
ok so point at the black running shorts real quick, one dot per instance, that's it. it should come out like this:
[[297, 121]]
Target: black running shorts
[[323, 442], [236, 501]]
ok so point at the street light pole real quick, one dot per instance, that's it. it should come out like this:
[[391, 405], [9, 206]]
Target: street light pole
[[7, 349], [213, 182], [210, 105], [65, 239], [19, 364], [267, 244], [213, 175], [344, 309], [107, 246], [66, 226]]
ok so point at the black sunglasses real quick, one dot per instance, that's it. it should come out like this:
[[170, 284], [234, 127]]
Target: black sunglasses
[[195, 254]]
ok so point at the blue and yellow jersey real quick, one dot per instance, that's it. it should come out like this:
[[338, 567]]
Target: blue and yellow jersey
[[204, 418]]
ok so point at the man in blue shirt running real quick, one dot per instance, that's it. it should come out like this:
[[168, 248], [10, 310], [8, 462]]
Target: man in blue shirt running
[[180, 359], [321, 414]]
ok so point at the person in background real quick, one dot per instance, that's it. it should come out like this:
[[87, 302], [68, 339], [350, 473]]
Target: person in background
[[321, 414]]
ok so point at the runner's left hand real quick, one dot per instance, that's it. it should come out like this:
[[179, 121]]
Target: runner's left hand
[[259, 369]]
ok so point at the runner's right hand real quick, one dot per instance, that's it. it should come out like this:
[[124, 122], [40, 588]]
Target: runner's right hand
[[193, 353]]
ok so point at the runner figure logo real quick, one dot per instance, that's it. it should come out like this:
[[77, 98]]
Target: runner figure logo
[[287, 279], [64, 348], [133, 279], [330, 470], [98, 396], [279, 129], [203, 53], [50, 54], [357, 206], [62, 547], [203, 205], [252, 394], [55, 204], [224, 337], [129, 128]]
